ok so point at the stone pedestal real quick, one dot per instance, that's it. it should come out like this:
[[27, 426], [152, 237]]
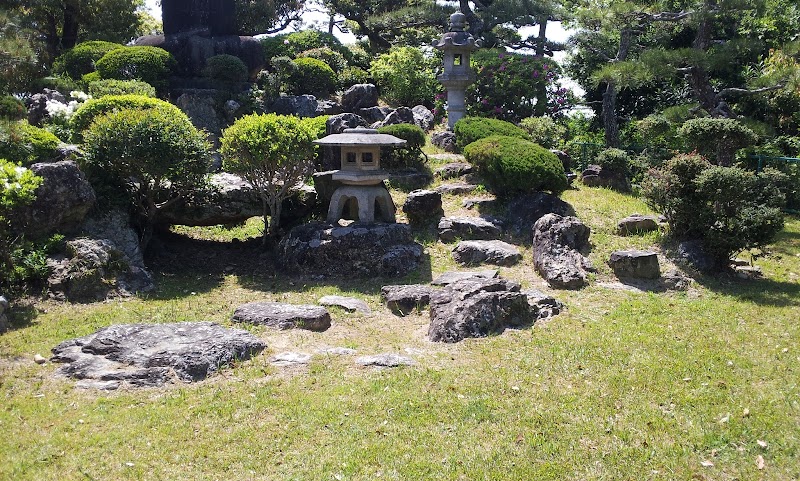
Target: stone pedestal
[[372, 202]]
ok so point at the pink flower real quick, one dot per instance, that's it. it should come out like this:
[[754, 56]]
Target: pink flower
[[485, 102], [497, 110], [535, 74]]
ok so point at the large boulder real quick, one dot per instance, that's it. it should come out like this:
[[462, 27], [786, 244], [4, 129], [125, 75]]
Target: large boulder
[[423, 117], [597, 176], [468, 228], [445, 140], [359, 96], [62, 201], [284, 316], [336, 124], [201, 108], [401, 115], [558, 243], [93, 270], [357, 250], [297, 105], [473, 252], [403, 299], [522, 212], [145, 355], [114, 225], [423, 207], [37, 105], [475, 308], [635, 264], [637, 224], [374, 114]]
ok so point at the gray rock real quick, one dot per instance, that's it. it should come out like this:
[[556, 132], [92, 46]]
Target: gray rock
[[284, 316], [358, 250], [231, 108], [475, 308], [404, 299], [467, 228], [453, 169], [423, 207], [409, 178], [423, 117], [445, 140], [4, 325], [479, 203], [62, 201], [543, 306], [565, 159], [374, 114], [456, 188], [637, 224], [200, 107], [286, 359], [37, 105], [695, 254], [337, 351], [385, 360], [557, 245], [337, 124], [524, 211], [451, 277], [297, 105], [596, 176], [635, 264], [472, 252], [676, 281], [94, 270], [401, 115], [115, 226], [359, 96], [144, 355], [350, 303], [327, 107]]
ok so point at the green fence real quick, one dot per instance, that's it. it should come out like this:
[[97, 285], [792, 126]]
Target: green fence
[[764, 160]]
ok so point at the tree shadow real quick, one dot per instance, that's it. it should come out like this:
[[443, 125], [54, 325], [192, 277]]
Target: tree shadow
[[761, 291], [20, 316]]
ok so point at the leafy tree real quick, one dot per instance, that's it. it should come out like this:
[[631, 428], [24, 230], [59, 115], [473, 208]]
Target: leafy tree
[[405, 76], [272, 152], [18, 62], [267, 16]]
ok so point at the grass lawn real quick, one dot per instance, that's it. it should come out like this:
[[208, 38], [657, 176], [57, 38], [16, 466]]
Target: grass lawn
[[689, 385]]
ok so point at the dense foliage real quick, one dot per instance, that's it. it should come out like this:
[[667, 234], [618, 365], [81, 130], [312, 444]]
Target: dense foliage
[[225, 68], [544, 131], [728, 208], [512, 166], [26, 144], [717, 139], [156, 153], [470, 129], [102, 88], [312, 76], [17, 188], [334, 60], [11, 108], [405, 77], [408, 153], [148, 64], [93, 108], [80, 60], [272, 152]]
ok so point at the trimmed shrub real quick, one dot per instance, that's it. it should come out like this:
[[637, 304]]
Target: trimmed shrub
[[148, 64], [225, 68], [728, 208], [276, 46], [156, 153], [411, 151], [272, 152], [26, 144], [334, 60], [80, 60], [615, 160], [353, 75], [512, 166], [93, 108], [309, 39], [91, 77], [316, 125], [470, 129], [11, 108], [544, 131], [717, 139], [404, 76], [313, 77], [103, 88]]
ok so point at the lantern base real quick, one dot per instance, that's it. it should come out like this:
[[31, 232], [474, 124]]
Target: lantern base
[[371, 203]]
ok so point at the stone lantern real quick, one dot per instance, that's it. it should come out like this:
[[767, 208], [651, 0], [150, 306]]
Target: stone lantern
[[457, 45], [363, 190]]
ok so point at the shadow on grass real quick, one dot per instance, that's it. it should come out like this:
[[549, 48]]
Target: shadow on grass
[[766, 292], [21, 316]]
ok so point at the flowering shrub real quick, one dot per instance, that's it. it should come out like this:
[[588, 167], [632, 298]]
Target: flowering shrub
[[405, 76], [508, 86], [26, 144]]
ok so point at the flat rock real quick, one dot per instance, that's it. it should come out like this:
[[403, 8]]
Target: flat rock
[[149, 355], [476, 307], [557, 245], [289, 358], [472, 252], [337, 351], [453, 169], [637, 224], [284, 316], [635, 264], [467, 228], [450, 277], [385, 360], [403, 299], [543, 306], [456, 188], [477, 203], [350, 303]]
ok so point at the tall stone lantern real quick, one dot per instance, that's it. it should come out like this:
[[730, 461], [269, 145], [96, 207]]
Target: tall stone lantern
[[363, 190], [457, 45]]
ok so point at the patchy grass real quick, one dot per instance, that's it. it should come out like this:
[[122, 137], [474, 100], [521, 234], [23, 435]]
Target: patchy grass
[[624, 385]]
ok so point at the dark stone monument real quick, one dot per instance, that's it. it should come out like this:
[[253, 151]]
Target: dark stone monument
[[212, 17]]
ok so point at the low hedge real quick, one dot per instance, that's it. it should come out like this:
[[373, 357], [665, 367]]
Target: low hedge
[[148, 64], [511, 166], [313, 77], [470, 129], [80, 60], [103, 88], [26, 144]]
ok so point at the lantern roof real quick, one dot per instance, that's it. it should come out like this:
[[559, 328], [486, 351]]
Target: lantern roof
[[457, 36], [360, 137]]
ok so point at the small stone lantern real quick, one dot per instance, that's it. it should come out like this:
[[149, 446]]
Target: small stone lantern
[[457, 45], [363, 190]]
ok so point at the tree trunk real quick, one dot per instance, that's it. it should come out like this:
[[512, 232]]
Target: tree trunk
[[609, 116], [69, 32], [541, 91]]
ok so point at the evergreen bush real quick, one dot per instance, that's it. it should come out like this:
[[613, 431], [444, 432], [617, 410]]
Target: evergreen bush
[[470, 129], [512, 166], [81, 59], [717, 139], [334, 60], [225, 68], [544, 131], [93, 108], [353, 75], [313, 77], [408, 153], [103, 88], [26, 144], [11, 108], [148, 64]]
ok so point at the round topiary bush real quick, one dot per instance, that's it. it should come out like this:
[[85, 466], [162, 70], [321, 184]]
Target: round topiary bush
[[81, 59], [512, 166], [335, 60], [411, 151], [26, 144], [313, 77], [309, 39], [148, 64], [103, 88], [225, 68], [615, 160], [544, 131], [470, 129], [11, 108], [93, 108], [156, 154], [717, 139], [353, 75]]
